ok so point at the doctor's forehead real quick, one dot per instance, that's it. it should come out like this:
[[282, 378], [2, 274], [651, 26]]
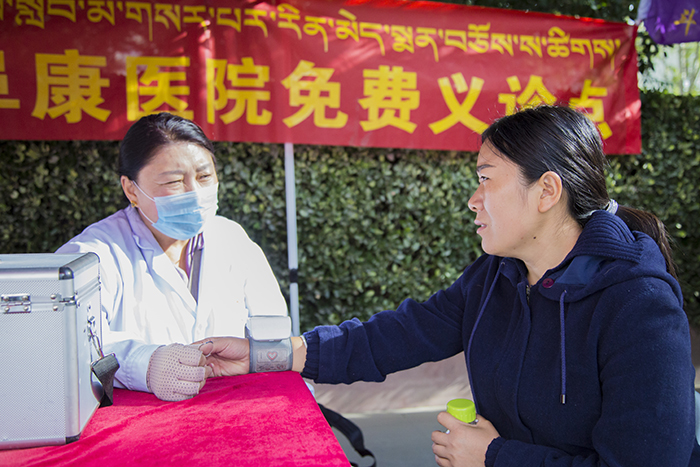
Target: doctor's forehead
[[179, 158], [184, 153]]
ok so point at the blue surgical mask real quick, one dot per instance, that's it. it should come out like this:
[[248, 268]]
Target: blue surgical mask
[[183, 216]]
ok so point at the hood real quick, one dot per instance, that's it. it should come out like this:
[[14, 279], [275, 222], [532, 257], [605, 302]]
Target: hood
[[606, 253]]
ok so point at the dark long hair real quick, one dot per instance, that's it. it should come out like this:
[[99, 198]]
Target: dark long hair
[[566, 142], [152, 132]]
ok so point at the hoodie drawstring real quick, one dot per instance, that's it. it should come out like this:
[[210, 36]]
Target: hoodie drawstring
[[562, 331], [471, 337], [563, 348]]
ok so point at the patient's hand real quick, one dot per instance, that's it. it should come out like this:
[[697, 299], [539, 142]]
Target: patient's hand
[[226, 356]]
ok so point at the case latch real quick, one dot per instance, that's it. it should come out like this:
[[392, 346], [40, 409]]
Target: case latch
[[16, 303]]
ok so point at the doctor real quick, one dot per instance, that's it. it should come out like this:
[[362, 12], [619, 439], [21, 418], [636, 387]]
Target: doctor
[[172, 271]]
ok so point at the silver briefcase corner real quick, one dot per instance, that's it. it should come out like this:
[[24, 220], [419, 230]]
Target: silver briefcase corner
[[49, 308]]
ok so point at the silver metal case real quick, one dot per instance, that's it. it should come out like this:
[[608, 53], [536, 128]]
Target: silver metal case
[[49, 304]]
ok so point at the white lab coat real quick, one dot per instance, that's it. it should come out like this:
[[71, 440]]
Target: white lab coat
[[146, 303]]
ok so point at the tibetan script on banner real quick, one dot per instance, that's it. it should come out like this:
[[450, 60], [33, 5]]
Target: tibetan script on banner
[[378, 73]]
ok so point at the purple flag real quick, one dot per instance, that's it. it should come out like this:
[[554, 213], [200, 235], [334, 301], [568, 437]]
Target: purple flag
[[671, 21]]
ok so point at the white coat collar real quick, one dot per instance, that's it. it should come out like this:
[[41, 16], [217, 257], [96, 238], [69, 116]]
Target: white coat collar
[[156, 258]]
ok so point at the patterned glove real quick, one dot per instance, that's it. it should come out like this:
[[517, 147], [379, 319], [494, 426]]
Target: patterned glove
[[175, 372]]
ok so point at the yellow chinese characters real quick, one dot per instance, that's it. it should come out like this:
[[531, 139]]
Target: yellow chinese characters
[[247, 82], [310, 88], [391, 96], [535, 93], [158, 82], [5, 87], [590, 99], [72, 83], [459, 113]]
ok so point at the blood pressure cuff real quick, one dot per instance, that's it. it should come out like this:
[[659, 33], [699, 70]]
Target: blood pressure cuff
[[270, 343]]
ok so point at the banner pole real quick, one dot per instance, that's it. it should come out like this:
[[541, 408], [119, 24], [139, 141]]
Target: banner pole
[[292, 256]]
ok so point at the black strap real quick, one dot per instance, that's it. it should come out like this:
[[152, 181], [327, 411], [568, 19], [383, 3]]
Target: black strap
[[104, 369], [351, 431]]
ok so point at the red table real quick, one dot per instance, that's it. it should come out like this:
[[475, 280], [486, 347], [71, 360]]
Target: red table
[[263, 419]]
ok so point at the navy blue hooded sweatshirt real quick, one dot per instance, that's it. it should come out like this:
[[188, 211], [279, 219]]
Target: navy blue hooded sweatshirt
[[591, 366]]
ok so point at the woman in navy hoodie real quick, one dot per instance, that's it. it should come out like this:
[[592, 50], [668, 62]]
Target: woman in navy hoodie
[[576, 342]]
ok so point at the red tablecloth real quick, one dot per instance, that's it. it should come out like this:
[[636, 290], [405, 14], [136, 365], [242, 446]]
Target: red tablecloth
[[263, 419]]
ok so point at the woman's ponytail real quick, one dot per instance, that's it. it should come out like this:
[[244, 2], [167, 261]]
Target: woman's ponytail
[[648, 223]]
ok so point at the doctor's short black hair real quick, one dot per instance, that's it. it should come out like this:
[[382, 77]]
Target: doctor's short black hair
[[152, 132]]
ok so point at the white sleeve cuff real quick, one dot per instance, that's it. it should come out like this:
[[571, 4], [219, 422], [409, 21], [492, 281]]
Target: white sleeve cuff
[[133, 357]]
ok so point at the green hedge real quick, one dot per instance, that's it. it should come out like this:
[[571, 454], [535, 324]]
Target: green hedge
[[375, 226]]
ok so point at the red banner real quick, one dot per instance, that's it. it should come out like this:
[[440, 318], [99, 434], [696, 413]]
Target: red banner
[[383, 73]]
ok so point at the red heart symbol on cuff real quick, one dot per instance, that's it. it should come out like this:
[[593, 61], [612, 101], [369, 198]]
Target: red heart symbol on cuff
[[272, 355]]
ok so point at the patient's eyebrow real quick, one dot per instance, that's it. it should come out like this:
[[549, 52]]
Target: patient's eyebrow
[[481, 167]]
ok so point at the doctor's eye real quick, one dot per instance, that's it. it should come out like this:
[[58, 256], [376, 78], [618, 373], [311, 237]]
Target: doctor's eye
[[206, 177]]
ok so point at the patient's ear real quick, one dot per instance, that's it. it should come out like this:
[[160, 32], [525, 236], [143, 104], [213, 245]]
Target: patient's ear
[[551, 191]]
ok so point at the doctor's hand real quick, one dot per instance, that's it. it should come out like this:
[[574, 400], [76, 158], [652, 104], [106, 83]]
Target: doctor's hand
[[177, 372], [226, 356], [465, 445]]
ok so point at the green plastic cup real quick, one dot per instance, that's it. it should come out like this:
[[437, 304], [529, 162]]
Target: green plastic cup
[[462, 409]]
